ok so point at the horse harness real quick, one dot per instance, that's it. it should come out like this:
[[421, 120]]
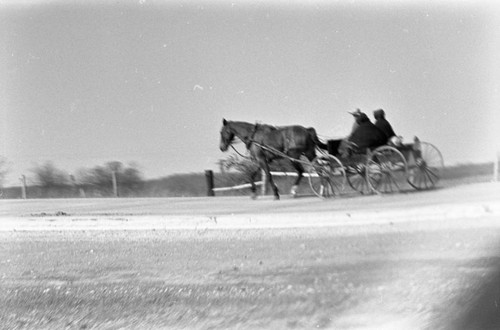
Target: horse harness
[[249, 141]]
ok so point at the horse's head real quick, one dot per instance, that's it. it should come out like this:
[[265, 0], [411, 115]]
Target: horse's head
[[226, 136]]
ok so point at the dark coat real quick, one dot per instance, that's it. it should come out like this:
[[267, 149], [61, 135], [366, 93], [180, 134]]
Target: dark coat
[[367, 135], [386, 128]]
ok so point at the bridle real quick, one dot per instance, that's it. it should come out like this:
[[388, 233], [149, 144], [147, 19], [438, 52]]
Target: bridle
[[248, 141]]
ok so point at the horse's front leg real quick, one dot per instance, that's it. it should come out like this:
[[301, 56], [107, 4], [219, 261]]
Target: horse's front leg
[[267, 170], [300, 173], [253, 188]]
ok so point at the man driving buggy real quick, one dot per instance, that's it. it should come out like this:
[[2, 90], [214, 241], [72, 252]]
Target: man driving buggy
[[365, 135]]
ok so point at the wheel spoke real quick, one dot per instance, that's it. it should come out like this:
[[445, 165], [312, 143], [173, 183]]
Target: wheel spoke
[[431, 172], [428, 176], [419, 176]]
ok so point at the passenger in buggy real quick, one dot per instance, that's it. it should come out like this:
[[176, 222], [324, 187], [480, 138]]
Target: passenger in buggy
[[383, 124]]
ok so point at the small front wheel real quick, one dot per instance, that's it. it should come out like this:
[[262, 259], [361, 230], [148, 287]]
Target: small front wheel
[[326, 176]]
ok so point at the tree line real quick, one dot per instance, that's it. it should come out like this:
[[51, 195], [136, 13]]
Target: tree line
[[112, 179], [116, 179]]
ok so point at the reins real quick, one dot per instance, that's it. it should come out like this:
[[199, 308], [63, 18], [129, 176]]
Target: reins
[[249, 141], [235, 150], [275, 152]]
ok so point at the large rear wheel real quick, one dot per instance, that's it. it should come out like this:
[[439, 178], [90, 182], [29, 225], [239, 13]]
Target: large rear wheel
[[326, 176], [426, 166], [386, 170]]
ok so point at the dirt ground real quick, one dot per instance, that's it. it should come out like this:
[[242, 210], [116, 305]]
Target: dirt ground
[[374, 273]]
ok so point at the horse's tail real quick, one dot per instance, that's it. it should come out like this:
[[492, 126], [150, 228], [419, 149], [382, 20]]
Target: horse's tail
[[316, 140]]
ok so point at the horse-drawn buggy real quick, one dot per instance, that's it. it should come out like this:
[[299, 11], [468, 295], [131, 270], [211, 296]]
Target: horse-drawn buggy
[[382, 169]]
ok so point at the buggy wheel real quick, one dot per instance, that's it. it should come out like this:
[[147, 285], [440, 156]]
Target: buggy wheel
[[356, 177], [386, 170], [326, 176], [426, 167]]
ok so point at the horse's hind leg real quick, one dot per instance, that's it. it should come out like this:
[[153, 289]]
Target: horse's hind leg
[[273, 186]]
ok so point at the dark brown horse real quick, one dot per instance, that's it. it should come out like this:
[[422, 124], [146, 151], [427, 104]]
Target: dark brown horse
[[267, 143]]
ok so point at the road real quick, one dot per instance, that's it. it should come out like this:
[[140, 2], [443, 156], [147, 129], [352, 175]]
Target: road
[[427, 260], [473, 200]]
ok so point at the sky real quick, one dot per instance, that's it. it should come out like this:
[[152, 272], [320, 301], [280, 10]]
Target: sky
[[83, 83]]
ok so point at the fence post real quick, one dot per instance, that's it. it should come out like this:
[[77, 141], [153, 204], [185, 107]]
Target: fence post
[[23, 186], [209, 176], [115, 185], [264, 183], [495, 167]]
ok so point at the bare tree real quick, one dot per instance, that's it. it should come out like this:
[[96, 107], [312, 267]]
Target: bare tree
[[247, 167], [4, 169], [48, 175], [129, 178], [244, 166]]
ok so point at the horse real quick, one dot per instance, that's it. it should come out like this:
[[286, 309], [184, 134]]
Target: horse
[[266, 143]]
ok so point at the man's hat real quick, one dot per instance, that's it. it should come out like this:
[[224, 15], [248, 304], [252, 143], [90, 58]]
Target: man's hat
[[356, 113], [379, 112]]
